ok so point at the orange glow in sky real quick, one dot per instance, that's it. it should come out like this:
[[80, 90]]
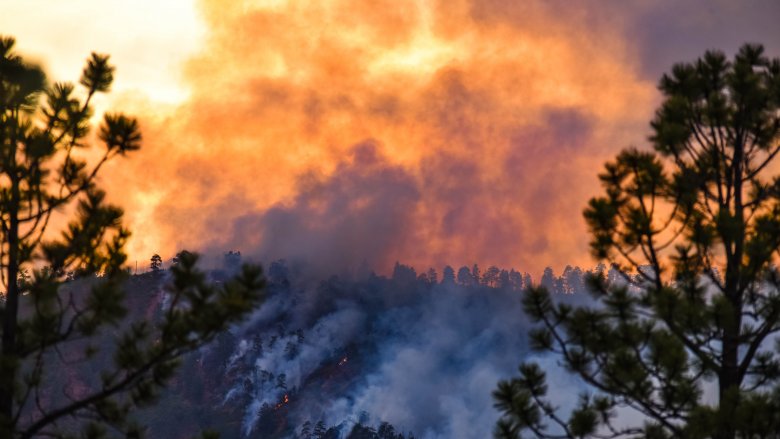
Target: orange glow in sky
[[428, 132]]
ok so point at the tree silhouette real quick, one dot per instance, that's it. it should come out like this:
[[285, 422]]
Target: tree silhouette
[[476, 276], [319, 429], [490, 277], [433, 277], [448, 276], [693, 231], [464, 276], [155, 263], [503, 279], [175, 260], [47, 328], [548, 279]]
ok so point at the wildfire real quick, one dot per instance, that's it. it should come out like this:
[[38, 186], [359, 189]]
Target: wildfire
[[284, 401], [343, 361]]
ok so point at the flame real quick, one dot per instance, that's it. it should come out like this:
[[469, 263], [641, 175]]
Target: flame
[[284, 401]]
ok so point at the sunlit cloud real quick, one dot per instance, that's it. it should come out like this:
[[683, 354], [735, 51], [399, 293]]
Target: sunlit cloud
[[147, 39]]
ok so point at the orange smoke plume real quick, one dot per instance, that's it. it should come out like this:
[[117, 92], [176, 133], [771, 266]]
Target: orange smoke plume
[[428, 132]]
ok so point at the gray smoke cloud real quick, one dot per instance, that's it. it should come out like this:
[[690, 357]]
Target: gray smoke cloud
[[436, 377], [371, 351], [371, 212], [358, 215]]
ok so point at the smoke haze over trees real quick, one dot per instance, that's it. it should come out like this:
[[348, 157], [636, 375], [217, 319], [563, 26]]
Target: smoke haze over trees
[[358, 350]]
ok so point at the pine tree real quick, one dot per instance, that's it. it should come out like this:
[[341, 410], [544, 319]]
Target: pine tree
[[448, 276], [693, 231], [490, 277], [319, 430], [386, 431], [433, 277], [464, 276], [49, 327], [155, 263], [548, 279], [305, 430]]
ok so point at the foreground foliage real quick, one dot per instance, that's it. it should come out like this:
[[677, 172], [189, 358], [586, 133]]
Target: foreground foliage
[[48, 328], [695, 227]]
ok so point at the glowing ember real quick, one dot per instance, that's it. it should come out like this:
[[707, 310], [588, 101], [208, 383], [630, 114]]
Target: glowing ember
[[284, 401]]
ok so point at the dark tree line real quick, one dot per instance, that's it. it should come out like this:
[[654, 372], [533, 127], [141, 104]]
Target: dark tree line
[[572, 280]]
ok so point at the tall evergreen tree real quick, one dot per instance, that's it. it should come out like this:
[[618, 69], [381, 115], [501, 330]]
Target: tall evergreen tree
[[155, 263], [464, 276], [448, 276], [319, 429], [694, 229], [548, 279], [48, 329]]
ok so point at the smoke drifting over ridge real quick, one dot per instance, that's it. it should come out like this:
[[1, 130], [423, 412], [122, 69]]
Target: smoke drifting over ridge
[[422, 356], [361, 211], [488, 119]]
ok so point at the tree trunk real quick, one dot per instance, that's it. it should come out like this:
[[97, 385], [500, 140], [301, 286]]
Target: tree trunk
[[729, 378], [9, 363]]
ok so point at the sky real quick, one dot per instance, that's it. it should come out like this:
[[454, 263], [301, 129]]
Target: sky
[[346, 133]]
